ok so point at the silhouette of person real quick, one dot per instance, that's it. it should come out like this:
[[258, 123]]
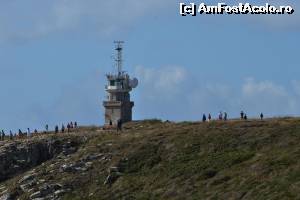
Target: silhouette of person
[[242, 114], [204, 118], [225, 116], [209, 117], [119, 125], [10, 135], [68, 127], [46, 127], [261, 116], [220, 115], [20, 133], [62, 128], [56, 129], [245, 117], [75, 124], [2, 135]]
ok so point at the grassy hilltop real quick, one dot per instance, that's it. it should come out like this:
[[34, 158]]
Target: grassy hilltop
[[156, 160]]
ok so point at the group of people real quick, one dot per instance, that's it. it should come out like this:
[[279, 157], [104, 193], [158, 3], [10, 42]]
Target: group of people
[[245, 117], [70, 126], [119, 124], [223, 116]]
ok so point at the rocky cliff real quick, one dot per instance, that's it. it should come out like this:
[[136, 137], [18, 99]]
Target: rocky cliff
[[157, 160]]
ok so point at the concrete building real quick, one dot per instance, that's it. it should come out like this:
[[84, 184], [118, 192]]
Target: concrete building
[[118, 105]]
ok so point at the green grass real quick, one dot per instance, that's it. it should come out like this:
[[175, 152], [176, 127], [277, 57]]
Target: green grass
[[188, 160]]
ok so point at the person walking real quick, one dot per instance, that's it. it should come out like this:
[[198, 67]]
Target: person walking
[[225, 116], [261, 116], [204, 118], [119, 125], [220, 115], [242, 114], [245, 116], [46, 128], [68, 127], [20, 133], [56, 129], [75, 125], [28, 132], [11, 135], [2, 135], [63, 128], [209, 117]]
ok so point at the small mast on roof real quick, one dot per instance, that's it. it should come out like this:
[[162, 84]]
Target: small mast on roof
[[118, 105]]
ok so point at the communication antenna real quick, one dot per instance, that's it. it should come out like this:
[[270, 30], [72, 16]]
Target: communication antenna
[[133, 83], [118, 59]]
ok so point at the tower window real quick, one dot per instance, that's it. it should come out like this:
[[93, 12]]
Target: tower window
[[112, 83]]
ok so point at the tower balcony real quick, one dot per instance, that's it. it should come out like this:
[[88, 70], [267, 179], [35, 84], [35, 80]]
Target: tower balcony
[[116, 88], [113, 87], [112, 103]]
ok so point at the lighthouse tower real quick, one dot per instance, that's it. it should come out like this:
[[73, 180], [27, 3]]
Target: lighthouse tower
[[119, 85]]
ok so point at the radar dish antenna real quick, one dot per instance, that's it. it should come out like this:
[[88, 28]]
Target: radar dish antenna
[[133, 83]]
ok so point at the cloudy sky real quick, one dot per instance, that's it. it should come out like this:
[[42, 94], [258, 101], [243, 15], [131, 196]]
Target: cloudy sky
[[54, 55]]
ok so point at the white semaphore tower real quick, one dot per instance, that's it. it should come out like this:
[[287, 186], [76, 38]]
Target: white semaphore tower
[[118, 105]]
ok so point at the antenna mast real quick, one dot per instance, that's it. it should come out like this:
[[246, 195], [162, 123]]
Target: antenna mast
[[118, 59]]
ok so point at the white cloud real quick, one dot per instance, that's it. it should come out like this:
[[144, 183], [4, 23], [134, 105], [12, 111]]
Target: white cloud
[[33, 18], [252, 88], [268, 97], [163, 79], [173, 93]]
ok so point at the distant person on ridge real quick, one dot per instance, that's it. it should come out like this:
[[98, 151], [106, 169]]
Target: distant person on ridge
[[28, 132], [209, 117], [245, 117], [71, 125], [20, 133], [75, 124], [220, 115], [46, 127], [204, 118], [119, 125], [11, 135], [68, 127], [242, 114], [2, 135], [62, 128], [225, 116], [261, 116], [56, 129]]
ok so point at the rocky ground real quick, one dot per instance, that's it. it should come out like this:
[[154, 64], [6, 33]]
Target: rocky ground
[[157, 160]]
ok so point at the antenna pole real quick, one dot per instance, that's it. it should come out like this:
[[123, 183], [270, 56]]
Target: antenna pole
[[118, 59]]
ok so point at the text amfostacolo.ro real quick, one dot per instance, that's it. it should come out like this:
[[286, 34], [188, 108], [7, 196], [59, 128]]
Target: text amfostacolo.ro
[[240, 8]]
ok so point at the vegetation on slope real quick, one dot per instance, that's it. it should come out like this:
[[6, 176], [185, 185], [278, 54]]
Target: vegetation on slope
[[216, 160]]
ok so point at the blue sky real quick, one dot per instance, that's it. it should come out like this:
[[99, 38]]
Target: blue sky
[[54, 55]]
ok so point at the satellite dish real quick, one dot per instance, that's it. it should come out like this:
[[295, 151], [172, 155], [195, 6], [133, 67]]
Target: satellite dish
[[133, 83]]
